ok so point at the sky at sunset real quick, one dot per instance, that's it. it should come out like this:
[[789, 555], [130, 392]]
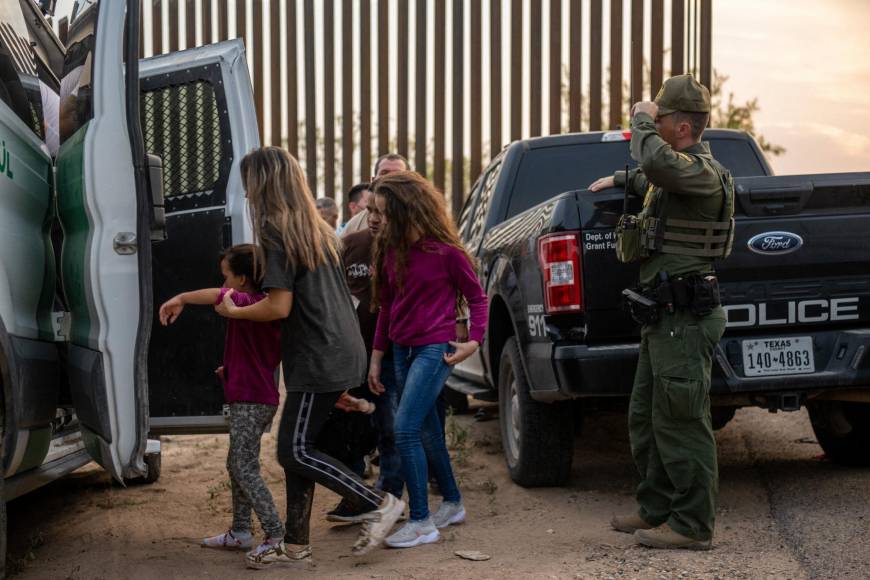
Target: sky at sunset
[[807, 62]]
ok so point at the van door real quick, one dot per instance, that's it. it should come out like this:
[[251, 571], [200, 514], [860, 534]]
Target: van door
[[102, 253], [110, 210], [198, 116]]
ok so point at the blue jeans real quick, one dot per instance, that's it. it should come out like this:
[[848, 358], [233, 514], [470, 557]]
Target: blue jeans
[[390, 479], [421, 373]]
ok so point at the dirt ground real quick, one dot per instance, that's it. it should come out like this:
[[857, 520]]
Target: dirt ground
[[784, 512]]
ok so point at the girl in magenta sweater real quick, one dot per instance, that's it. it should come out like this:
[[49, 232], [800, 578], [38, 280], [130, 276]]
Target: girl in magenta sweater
[[420, 269]]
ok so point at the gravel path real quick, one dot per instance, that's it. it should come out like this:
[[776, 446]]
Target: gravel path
[[784, 512]]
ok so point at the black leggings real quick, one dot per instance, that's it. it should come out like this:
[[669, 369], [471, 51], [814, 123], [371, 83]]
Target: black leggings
[[302, 420]]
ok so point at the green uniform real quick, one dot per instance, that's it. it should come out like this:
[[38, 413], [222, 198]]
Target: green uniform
[[669, 414]]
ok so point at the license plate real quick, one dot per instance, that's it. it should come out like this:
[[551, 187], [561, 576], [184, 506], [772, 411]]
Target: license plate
[[791, 355]]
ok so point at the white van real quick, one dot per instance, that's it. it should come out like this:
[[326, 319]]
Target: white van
[[114, 196]]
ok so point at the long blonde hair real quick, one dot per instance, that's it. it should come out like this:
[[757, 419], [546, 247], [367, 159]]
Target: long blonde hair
[[282, 209], [412, 203]]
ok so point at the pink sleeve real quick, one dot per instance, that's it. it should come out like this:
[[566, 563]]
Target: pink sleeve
[[382, 330], [466, 282], [240, 299]]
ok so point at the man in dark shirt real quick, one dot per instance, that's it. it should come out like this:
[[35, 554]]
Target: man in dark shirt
[[357, 259]]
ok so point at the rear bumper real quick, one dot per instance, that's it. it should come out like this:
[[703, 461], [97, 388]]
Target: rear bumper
[[842, 360]]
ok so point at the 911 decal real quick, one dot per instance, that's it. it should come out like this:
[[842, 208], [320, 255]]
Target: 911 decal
[[537, 324]]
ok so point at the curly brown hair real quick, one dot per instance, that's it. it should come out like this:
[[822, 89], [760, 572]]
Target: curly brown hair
[[415, 210]]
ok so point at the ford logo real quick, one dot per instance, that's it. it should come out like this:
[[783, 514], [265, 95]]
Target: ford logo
[[775, 243]]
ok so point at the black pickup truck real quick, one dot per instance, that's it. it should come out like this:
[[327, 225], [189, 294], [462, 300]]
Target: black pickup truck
[[796, 288]]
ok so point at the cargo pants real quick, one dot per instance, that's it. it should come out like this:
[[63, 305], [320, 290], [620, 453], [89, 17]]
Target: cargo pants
[[669, 422]]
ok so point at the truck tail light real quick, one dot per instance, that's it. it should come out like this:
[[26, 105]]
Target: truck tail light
[[560, 268]]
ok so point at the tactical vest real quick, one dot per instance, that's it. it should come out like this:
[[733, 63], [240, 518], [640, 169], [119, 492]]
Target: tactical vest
[[639, 236]]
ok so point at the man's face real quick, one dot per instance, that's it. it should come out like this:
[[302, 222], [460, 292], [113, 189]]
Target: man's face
[[330, 215], [389, 166], [672, 130], [665, 127], [358, 206], [377, 215]]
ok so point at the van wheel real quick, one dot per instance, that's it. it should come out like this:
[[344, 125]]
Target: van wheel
[[456, 401], [843, 430], [153, 463], [538, 438]]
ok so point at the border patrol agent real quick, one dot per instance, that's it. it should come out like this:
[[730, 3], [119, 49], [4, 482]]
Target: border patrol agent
[[686, 223]]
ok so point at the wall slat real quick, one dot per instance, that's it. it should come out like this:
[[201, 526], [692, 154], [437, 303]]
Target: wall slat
[[657, 44], [365, 83], [275, 69], [575, 60], [383, 35], [347, 115], [440, 93], [535, 71], [310, 92], [291, 34], [495, 79], [615, 108], [457, 188], [329, 98], [555, 67], [476, 81], [421, 110], [637, 44], [596, 20], [402, 92], [516, 70]]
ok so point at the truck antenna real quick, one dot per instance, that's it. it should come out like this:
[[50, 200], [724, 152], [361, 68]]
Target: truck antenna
[[625, 198]]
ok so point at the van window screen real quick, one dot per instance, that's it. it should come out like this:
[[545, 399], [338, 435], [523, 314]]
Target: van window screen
[[184, 121]]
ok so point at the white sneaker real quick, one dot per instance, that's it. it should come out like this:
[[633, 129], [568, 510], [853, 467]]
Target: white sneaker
[[229, 541], [449, 513], [413, 534], [376, 527], [268, 554]]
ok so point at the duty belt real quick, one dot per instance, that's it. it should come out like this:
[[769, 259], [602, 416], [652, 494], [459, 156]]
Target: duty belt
[[698, 293]]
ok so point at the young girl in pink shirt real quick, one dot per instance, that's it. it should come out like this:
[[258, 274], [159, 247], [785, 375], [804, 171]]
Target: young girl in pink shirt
[[252, 354]]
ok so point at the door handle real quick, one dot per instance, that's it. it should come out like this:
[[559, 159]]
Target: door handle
[[124, 243]]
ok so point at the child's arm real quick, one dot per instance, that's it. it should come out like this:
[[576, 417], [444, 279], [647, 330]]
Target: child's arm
[[171, 309], [275, 306]]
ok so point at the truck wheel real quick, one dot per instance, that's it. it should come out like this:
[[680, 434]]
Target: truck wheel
[[457, 402], [842, 429], [538, 438]]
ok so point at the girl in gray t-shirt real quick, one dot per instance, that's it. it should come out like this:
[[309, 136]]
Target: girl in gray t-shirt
[[322, 350]]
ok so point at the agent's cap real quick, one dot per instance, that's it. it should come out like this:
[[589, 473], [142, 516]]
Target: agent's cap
[[683, 93]]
